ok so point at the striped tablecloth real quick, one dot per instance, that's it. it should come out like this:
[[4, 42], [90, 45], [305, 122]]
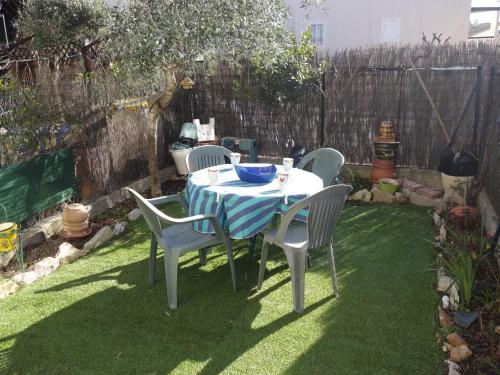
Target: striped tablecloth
[[245, 208]]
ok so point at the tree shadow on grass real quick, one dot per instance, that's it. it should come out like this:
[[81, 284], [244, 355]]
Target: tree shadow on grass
[[127, 327], [378, 325]]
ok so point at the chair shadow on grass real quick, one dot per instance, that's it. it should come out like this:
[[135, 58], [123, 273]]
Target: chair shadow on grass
[[127, 328]]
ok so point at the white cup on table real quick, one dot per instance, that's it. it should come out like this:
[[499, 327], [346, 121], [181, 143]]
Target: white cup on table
[[287, 164], [283, 178], [213, 175], [235, 158]]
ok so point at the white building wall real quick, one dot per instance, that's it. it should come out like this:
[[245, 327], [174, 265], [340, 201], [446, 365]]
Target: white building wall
[[359, 23]]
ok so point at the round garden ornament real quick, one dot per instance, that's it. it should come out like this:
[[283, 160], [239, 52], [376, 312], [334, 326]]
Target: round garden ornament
[[187, 83]]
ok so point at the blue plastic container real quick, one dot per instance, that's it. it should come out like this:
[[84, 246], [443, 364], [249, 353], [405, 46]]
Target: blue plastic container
[[256, 173]]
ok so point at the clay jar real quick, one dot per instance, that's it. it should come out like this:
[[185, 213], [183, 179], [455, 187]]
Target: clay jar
[[382, 169], [75, 218]]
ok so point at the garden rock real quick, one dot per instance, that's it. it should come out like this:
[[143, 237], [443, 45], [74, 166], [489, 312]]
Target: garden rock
[[442, 234], [420, 200], [25, 278], [430, 193], [400, 198], [8, 288], [99, 206], [67, 253], [134, 214], [362, 195], [31, 240], [452, 367], [119, 228], [497, 330], [118, 196], [454, 297], [52, 226], [444, 319], [46, 266], [410, 185], [454, 339], [444, 283], [445, 301], [6, 257], [104, 235], [441, 272], [383, 197], [464, 319], [460, 353], [437, 219]]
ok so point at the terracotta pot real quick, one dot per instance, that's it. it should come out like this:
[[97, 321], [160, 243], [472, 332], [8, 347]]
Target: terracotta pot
[[382, 169], [75, 217], [464, 216]]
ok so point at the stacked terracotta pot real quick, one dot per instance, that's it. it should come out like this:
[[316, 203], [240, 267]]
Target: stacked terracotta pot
[[75, 221], [386, 149]]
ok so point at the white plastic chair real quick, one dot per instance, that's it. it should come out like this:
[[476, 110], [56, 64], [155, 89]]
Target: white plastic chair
[[326, 163], [178, 239], [206, 156], [296, 238]]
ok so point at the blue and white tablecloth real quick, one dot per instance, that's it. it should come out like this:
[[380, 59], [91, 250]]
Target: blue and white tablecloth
[[246, 208]]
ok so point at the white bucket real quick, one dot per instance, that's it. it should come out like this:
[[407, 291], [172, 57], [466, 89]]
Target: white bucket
[[456, 188], [180, 160]]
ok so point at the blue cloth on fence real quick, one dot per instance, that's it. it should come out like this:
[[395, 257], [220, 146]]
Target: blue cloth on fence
[[245, 208]]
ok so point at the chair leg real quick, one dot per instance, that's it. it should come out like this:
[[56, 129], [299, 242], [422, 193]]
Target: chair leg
[[171, 265], [263, 260], [297, 263], [203, 256], [230, 258], [152, 259], [331, 258]]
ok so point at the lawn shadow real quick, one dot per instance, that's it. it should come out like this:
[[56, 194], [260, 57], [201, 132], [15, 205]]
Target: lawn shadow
[[127, 327], [378, 325]]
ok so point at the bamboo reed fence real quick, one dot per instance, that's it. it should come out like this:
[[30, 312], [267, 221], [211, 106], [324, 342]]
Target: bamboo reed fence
[[360, 88]]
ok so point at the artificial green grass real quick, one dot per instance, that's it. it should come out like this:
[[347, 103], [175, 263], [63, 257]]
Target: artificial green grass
[[99, 316]]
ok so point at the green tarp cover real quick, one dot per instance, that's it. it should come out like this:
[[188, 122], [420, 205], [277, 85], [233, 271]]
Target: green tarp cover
[[36, 185]]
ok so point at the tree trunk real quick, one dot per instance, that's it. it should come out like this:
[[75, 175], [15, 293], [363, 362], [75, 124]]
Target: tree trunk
[[157, 106], [56, 94]]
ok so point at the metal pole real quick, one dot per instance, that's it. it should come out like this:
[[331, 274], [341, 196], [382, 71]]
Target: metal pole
[[431, 102], [477, 108], [322, 111]]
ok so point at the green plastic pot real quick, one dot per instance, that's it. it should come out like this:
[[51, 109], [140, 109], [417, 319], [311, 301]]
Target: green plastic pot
[[389, 185]]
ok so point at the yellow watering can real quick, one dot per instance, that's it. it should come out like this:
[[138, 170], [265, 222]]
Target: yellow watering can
[[8, 235]]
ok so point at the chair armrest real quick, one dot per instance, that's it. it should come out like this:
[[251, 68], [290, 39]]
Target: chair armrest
[[169, 199], [184, 220]]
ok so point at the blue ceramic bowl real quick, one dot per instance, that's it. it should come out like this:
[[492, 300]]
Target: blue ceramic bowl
[[256, 173]]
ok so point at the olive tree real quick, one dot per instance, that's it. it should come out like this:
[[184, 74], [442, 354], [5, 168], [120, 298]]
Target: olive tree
[[170, 36], [52, 24]]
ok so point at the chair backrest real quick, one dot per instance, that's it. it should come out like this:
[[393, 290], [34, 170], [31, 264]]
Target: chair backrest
[[149, 212], [206, 156], [326, 163], [325, 208]]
